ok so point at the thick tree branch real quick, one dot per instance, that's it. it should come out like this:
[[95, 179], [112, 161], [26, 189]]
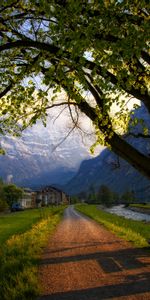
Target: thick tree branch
[[30, 43], [60, 104], [145, 98], [4, 7], [6, 90], [146, 56], [18, 77], [118, 144]]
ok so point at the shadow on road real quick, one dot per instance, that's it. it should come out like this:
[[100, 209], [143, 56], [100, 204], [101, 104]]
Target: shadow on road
[[105, 292], [84, 261], [111, 261]]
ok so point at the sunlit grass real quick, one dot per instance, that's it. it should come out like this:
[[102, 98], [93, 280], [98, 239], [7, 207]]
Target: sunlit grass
[[19, 222], [130, 230], [145, 206], [20, 255]]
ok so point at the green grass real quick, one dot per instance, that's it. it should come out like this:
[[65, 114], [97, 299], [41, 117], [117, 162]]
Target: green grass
[[136, 232], [20, 253], [145, 206], [18, 222]]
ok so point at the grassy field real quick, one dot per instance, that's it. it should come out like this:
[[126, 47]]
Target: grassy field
[[134, 231], [20, 254], [18, 222], [145, 206]]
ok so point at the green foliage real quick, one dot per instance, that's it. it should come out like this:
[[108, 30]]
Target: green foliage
[[16, 223], [128, 197], [92, 197], [144, 206], [74, 200], [133, 231], [2, 193], [82, 195], [3, 205], [3, 202], [12, 193], [9, 193], [116, 198], [99, 47], [2, 151], [105, 195]]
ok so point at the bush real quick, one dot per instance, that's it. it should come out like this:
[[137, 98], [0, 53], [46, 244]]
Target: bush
[[12, 193], [3, 205]]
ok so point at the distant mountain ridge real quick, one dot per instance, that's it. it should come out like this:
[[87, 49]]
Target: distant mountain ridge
[[34, 159], [102, 170], [119, 176]]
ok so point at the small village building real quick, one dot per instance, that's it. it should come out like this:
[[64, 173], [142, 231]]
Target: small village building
[[28, 199], [43, 197], [51, 196]]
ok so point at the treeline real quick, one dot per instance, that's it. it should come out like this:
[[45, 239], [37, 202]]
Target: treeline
[[9, 193], [105, 196]]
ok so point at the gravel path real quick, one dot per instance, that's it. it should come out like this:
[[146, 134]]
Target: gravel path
[[84, 261]]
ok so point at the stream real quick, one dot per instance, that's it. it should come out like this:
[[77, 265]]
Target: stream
[[120, 210]]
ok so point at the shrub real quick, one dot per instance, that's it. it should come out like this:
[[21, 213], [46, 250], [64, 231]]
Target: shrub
[[3, 205]]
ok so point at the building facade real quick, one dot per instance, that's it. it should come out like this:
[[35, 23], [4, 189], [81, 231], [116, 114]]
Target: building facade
[[28, 199], [51, 196]]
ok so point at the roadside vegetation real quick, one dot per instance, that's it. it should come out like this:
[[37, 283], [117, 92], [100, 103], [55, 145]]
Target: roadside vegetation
[[20, 254], [19, 222], [144, 206], [104, 195], [136, 232], [9, 194]]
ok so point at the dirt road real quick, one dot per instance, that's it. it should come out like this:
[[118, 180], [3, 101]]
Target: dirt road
[[84, 261]]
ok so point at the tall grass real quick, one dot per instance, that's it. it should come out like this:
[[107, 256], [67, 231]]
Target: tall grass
[[19, 258], [136, 232]]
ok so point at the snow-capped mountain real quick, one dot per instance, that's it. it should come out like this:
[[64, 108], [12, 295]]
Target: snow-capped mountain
[[40, 157]]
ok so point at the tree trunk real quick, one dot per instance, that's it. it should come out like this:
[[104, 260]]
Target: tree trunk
[[126, 151]]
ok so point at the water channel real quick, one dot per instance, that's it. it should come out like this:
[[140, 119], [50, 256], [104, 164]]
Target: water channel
[[120, 210]]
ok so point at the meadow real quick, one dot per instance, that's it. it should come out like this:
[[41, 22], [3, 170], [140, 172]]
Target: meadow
[[19, 222], [22, 243], [145, 206], [136, 232]]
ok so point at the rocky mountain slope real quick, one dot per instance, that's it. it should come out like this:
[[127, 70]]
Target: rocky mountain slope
[[116, 173], [34, 159]]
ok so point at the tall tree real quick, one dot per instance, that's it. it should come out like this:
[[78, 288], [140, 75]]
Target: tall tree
[[128, 197], [80, 47], [12, 193], [105, 195]]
